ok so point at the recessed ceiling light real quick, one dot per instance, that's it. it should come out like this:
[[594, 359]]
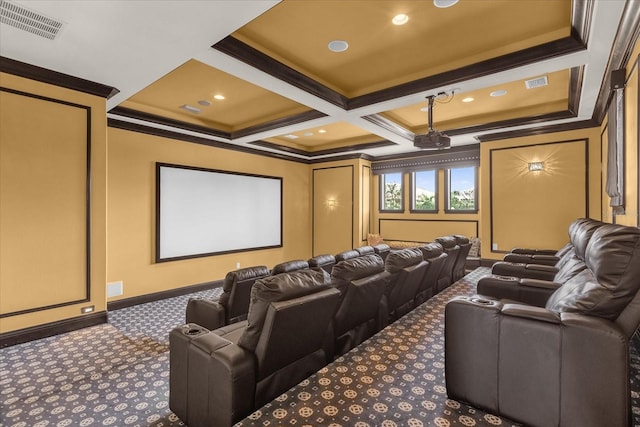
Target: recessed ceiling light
[[444, 3], [338, 46], [291, 136], [307, 134], [468, 99], [219, 97], [322, 131], [204, 102], [500, 92], [190, 108], [424, 109], [400, 19]]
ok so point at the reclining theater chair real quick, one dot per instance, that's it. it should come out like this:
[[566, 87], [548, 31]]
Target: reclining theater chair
[[434, 255], [219, 377], [233, 303], [362, 283], [407, 268], [459, 266], [452, 249], [325, 261], [563, 365]]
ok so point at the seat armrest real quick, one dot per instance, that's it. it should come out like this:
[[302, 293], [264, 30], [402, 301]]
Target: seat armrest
[[528, 291], [206, 312], [212, 380], [534, 251], [544, 259], [526, 311], [543, 284], [531, 271]]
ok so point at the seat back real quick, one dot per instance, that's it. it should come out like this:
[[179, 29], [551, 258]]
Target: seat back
[[609, 286], [351, 253], [325, 261], [362, 283], [382, 249], [461, 259], [407, 268], [289, 266], [365, 250], [573, 261], [450, 248], [236, 289], [289, 318], [434, 254]]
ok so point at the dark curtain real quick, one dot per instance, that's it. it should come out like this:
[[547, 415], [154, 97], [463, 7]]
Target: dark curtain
[[615, 152]]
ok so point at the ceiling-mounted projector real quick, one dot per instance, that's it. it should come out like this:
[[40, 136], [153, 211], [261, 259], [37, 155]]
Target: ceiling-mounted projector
[[433, 139]]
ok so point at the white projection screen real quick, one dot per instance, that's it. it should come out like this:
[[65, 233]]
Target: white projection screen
[[201, 212]]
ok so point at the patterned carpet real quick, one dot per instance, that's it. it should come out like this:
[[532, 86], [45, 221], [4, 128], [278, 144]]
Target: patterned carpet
[[117, 374]]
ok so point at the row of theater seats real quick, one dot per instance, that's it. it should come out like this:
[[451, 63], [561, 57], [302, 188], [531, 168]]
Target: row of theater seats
[[546, 340], [298, 317]]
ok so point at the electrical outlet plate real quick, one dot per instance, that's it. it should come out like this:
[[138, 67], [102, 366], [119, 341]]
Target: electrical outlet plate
[[115, 289]]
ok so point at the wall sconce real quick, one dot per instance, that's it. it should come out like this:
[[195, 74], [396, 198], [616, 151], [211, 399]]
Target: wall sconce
[[536, 166], [331, 204]]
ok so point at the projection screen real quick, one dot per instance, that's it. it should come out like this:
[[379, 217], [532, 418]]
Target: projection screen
[[202, 212]]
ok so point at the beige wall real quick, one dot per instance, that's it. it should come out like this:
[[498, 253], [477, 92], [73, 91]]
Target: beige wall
[[535, 209], [131, 213], [43, 220]]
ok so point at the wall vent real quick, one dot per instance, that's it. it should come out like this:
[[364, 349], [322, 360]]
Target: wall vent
[[537, 82], [29, 20]]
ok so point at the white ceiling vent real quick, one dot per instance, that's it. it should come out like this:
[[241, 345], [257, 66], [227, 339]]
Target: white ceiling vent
[[29, 20], [537, 82]]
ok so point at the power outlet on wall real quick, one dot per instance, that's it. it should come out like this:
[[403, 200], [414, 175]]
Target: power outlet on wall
[[115, 289], [237, 265], [494, 247]]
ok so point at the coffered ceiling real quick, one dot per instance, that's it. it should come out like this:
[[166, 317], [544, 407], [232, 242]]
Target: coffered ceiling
[[286, 93]]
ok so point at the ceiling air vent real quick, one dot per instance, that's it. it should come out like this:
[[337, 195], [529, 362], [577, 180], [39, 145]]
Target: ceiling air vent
[[29, 20], [537, 82]]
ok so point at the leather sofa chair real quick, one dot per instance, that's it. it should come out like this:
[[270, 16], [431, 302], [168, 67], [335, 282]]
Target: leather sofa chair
[[434, 255], [458, 271], [562, 365], [511, 280], [219, 377], [382, 249], [407, 268], [362, 282], [233, 303], [325, 261], [580, 232], [351, 253], [452, 249], [365, 250], [289, 266]]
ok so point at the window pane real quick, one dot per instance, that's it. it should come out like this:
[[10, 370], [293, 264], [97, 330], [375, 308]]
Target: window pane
[[392, 191], [462, 188], [424, 191]]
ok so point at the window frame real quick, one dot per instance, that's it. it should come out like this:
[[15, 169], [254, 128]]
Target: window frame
[[447, 191], [382, 182], [412, 193]]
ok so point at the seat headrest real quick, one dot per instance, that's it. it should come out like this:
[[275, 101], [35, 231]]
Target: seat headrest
[[447, 242], [288, 266], [397, 260], [365, 250], [582, 234], [281, 287], [611, 280], [243, 274], [347, 255], [431, 250], [320, 260], [381, 247], [357, 268], [460, 239]]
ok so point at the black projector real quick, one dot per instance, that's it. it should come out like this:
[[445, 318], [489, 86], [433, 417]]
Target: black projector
[[433, 140]]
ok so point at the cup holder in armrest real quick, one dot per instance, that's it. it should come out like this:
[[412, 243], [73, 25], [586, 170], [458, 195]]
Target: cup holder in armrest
[[191, 329]]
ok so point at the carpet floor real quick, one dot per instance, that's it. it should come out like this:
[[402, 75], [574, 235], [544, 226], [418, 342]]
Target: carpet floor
[[117, 374]]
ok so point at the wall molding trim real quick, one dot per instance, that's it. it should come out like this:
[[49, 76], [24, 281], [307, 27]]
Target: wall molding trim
[[157, 296]]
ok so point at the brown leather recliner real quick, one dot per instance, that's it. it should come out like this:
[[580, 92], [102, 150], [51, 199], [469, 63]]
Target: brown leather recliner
[[365, 250], [219, 377], [382, 249], [324, 261], [407, 268], [458, 271], [289, 266], [566, 364], [434, 255], [351, 253], [450, 248], [362, 283], [233, 303]]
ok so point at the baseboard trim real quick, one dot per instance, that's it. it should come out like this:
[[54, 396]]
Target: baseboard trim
[[21, 336], [157, 296]]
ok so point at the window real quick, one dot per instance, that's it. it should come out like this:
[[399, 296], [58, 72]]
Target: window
[[391, 192], [462, 189], [424, 191]]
